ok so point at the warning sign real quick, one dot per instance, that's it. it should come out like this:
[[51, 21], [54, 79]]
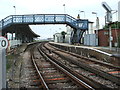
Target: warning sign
[[3, 42]]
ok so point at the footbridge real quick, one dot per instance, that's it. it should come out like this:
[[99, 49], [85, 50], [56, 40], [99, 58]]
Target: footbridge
[[79, 25]]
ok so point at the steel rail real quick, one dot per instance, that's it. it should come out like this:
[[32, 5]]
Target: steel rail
[[94, 70], [42, 80], [82, 57], [76, 79], [84, 78]]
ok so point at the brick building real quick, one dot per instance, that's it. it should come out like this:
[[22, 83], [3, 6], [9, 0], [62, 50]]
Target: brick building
[[103, 37]]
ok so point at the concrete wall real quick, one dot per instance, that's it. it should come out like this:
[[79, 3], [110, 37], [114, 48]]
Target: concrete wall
[[119, 11], [90, 39]]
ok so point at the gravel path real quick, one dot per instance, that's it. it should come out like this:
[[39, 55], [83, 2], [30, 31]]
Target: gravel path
[[14, 73]]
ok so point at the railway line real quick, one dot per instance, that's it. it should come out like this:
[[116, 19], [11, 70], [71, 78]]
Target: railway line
[[106, 67], [77, 61], [53, 68], [53, 76]]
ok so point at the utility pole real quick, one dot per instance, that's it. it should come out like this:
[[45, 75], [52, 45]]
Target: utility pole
[[109, 19], [110, 36], [82, 12], [97, 28]]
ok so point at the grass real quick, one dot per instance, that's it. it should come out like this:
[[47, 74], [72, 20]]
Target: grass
[[9, 61]]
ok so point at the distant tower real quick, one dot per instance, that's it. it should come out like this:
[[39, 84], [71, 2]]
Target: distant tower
[[119, 11]]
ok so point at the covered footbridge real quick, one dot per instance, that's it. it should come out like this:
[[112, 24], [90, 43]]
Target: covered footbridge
[[18, 24]]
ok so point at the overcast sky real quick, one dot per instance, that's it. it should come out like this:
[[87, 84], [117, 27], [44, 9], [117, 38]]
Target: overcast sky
[[72, 7]]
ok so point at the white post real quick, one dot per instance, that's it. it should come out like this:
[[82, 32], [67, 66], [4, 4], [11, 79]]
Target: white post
[[97, 26], [110, 37], [2, 68], [119, 11], [64, 9]]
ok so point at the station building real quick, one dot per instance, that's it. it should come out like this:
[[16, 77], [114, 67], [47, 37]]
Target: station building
[[18, 34], [103, 37], [103, 34]]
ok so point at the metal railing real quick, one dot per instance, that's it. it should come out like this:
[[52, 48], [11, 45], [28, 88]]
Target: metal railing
[[44, 19]]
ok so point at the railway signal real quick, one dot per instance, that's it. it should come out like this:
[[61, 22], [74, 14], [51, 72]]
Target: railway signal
[[109, 19]]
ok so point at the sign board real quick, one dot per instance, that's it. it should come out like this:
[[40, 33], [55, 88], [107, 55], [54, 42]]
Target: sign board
[[3, 46], [3, 42], [109, 17], [83, 24]]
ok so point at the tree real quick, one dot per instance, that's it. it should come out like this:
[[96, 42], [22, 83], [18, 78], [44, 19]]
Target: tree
[[63, 33], [114, 25]]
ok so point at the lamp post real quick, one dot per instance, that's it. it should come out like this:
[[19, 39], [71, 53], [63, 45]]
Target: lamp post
[[94, 13], [14, 9], [83, 12], [97, 26], [64, 9], [87, 32], [97, 21], [14, 21]]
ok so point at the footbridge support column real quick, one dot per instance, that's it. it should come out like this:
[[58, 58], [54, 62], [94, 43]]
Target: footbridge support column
[[76, 36]]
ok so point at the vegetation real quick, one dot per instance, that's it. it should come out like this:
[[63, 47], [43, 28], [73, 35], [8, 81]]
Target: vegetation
[[115, 25], [63, 33], [9, 61]]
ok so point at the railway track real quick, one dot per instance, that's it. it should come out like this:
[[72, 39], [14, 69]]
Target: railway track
[[46, 70], [95, 71], [106, 67], [51, 75], [88, 59]]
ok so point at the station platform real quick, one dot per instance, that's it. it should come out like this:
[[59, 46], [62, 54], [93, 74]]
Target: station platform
[[100, 53], [113, 50]]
